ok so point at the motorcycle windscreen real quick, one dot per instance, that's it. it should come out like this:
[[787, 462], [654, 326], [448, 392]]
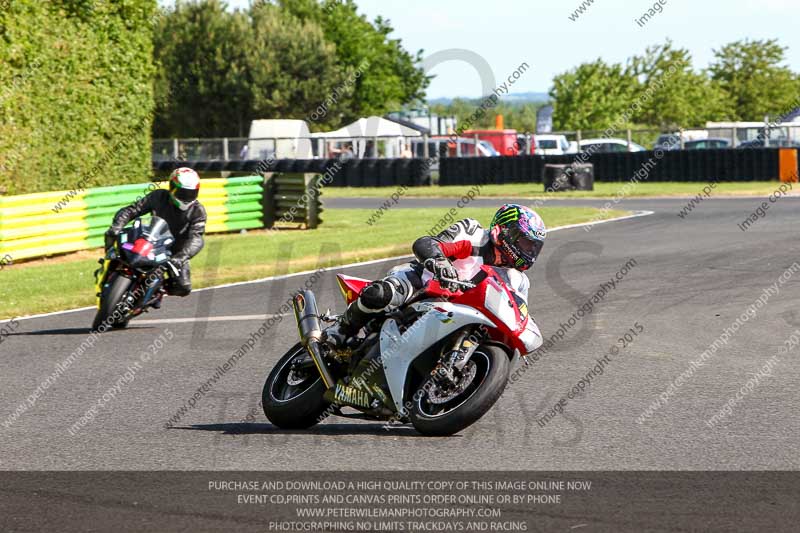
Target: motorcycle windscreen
[[156, 230]]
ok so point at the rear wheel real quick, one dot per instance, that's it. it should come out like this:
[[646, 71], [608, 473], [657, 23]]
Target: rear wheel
[[444, 409], [110, 301], [292, 395]]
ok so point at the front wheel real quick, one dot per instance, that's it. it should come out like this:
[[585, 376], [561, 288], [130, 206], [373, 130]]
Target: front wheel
[[439, 411], [110, 302], [292, 395]]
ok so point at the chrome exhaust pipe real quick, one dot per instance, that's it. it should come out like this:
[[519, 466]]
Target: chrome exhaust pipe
[[310, 329]]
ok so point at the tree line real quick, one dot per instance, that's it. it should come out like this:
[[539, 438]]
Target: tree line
[[320, 61], [199, 69], [746, 81]]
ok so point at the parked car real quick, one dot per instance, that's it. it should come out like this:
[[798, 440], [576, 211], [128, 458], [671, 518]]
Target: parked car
[[706, 144], [773, 143], [550, 144], [672, 141], [752, 134], [444, 146], [603, 146], [668, 142], [485, 148]]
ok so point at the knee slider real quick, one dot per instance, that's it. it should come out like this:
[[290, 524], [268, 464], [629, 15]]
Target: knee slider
[[377, 295]]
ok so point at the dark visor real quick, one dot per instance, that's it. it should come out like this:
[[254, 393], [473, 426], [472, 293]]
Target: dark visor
[[530, 247], [186, 195]]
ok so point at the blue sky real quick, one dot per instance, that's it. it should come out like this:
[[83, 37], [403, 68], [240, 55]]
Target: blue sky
[[507, 33]]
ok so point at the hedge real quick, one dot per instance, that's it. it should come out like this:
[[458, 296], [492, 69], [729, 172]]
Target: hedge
[[76, 93]]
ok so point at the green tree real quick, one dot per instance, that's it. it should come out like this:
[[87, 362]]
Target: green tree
[[592, 96], [291, 69], [463, 109], [203, 87], [519, 116], [288, 59], [390, 75], [756, 79], [671, 94], [659, 89]]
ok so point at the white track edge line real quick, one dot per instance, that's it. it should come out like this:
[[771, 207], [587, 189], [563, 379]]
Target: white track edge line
[[190, 320]]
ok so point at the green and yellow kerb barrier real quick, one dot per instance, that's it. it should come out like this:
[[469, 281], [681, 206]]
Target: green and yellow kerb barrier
[[41, 224]]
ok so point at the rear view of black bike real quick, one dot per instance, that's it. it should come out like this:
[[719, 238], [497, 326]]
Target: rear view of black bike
[[131, 278]]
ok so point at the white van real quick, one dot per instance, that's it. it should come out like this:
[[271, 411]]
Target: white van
[[547, 144], [278, 138]]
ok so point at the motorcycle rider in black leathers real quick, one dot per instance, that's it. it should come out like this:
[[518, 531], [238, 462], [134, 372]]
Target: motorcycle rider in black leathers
[[511, 244], [184, 215]]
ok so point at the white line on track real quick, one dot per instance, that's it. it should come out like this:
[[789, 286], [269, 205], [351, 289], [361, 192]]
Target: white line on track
[[231, 318], [636, 214]]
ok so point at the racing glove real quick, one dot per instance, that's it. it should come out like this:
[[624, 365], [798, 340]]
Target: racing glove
[[172, 268], [442, 270], [177, 262]]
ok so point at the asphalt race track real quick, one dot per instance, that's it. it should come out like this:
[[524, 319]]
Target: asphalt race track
[[692, 278]]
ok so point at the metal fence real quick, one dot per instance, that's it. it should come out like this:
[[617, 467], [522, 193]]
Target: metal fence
[[225, 149], [724, 134], [244, 149]]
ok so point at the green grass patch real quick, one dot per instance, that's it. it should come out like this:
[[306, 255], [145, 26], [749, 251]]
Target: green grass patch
[[536, 190], [344, 237]]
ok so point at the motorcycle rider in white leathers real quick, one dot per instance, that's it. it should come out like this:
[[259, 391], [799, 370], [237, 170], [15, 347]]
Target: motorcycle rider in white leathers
[[511, 245]]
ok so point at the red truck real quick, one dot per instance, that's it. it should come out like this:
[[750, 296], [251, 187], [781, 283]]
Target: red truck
[[504, 141]]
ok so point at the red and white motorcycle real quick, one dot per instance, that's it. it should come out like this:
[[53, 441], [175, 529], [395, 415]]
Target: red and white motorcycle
[[440, 362]]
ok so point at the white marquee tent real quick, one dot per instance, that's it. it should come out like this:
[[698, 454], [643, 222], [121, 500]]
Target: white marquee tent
[[365, 129]]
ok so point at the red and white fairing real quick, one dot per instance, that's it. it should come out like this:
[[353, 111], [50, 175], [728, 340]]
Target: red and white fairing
[[351, 287], [491, 303], [492, 297]]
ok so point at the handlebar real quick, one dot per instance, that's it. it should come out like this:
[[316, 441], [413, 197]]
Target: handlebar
[[457, 282]]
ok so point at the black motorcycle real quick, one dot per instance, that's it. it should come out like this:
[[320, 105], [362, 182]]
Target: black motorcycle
[[131, 278]]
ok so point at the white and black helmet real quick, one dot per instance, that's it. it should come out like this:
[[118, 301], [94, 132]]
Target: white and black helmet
[[184, 187]]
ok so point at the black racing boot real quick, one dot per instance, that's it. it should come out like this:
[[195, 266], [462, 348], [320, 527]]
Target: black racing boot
[[157, 303], [347, 327], [378, 295]]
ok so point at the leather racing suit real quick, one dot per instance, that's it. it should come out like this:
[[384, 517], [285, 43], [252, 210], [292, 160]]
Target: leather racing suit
[[187, 227], [467, 245]]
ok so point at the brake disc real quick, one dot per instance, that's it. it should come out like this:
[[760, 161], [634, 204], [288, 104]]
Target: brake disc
[[438, 396], [296, 378]]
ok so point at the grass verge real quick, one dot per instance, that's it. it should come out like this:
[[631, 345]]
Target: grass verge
[[67, 282], [536, 190]]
